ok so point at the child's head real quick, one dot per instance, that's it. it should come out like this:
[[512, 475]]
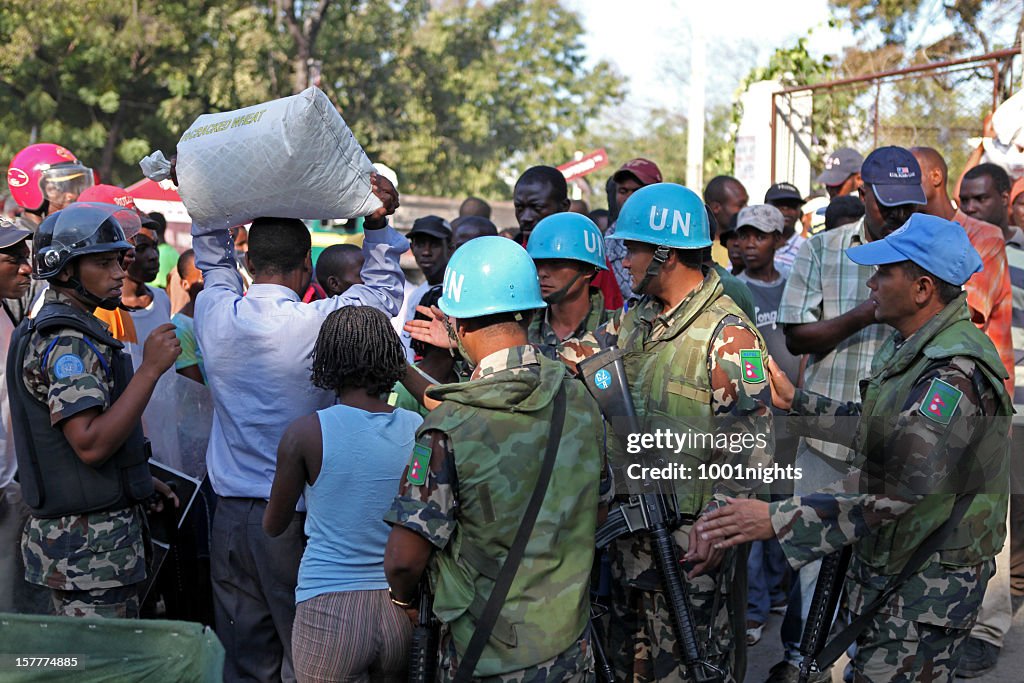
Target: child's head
[[357, 349], [191, 277]]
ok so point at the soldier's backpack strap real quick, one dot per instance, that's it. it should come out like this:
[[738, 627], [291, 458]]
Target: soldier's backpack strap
[[845, 638], [499, 592]]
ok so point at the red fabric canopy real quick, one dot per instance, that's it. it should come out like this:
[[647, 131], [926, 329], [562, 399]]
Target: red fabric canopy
[[147, 189]]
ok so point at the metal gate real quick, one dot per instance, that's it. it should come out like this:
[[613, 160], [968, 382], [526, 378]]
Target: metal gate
[[940, 105]]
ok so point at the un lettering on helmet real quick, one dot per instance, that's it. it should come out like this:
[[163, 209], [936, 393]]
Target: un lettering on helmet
[[593, 244], [453, 285], [294, 157], [679, 224]]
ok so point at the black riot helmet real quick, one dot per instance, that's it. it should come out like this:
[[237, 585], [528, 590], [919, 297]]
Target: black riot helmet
[[81, 228]]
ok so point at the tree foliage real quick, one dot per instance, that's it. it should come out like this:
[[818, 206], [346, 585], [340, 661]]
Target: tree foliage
[[452, 96], [973, 23]]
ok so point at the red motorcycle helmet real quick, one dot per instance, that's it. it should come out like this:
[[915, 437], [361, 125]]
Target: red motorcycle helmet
[[43, 172]]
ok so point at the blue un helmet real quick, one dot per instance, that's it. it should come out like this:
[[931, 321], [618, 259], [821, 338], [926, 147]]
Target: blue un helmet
[[570, 236], [665, 215], [490, 275]]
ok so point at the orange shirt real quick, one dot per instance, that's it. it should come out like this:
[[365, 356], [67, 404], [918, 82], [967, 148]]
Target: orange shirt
[[120, 323], [988, 292]]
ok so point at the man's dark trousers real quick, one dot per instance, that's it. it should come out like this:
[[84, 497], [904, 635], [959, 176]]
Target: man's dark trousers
[[254, 579]]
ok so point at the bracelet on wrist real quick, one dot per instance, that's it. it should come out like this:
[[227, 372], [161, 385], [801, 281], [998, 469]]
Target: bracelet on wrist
[[401, 603]]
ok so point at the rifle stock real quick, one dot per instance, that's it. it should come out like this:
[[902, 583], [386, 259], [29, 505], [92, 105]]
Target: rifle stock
[[605, 377]]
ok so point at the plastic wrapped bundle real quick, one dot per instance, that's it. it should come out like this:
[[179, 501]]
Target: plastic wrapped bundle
[[294, 157]]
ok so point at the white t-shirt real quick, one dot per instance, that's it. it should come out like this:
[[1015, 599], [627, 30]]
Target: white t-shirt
[[160, 429], [8, 463], [148, 319], [408, 312]]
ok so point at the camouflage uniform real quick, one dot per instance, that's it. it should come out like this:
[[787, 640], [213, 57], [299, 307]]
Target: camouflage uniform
[[574, 665], [578, 345], [92, 563], [917, 448], [685, 372], [465, 491]]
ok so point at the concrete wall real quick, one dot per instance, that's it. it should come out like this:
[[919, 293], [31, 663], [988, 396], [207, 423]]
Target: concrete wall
[[415, 206]]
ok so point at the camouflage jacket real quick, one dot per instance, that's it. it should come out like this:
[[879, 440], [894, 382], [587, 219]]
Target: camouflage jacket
[[695, 369], [578, 345], [468, 483], [78, 552], [922, 433]]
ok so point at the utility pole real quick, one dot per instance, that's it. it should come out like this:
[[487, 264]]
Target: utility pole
[[695, 109]]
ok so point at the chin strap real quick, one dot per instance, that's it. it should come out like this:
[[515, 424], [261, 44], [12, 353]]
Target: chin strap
[[558, 296], [42, 211], [109, 303], [657, 261], [453, 335]]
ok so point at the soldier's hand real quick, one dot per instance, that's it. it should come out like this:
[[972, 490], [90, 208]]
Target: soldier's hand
[[741, 521], [782, 389], [432, 331], [161, 349], [702, 556], [163, 491], [388, 196]]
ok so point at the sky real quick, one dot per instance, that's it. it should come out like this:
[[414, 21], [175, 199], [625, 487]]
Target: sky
[[643, 42], [644, 38]]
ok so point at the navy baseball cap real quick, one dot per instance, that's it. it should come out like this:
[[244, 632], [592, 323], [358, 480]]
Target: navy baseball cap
[[894, 175], [939, 246], [435, 226], [783, 192]]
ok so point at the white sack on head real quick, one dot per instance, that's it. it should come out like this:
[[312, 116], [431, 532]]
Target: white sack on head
[[293, 158]]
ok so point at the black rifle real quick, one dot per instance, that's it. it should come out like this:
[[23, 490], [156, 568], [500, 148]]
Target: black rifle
[[648, 512], [423, 652], [827, 592], [604, 668]]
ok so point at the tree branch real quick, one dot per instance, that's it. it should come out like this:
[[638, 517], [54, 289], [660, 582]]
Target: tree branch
[[287, 8], [313, 22]]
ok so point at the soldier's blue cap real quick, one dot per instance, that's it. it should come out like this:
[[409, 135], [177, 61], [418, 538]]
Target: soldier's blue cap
[[938, 246]]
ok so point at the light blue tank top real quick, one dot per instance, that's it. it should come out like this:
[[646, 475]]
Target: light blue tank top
[[365, 455]]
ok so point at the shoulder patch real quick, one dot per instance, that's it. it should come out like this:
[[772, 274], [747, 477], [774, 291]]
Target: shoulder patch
[[753, 365], [940, 401], [419, 465], [68, 365]]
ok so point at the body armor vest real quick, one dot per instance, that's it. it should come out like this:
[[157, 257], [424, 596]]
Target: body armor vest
[[669, 376], [498, 455], [54, 480], [981, 533]]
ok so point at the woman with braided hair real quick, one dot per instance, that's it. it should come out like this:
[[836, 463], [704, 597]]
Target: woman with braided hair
[[347, 460]]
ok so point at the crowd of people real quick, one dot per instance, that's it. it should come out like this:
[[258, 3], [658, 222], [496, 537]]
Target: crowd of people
[[384, 455]]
